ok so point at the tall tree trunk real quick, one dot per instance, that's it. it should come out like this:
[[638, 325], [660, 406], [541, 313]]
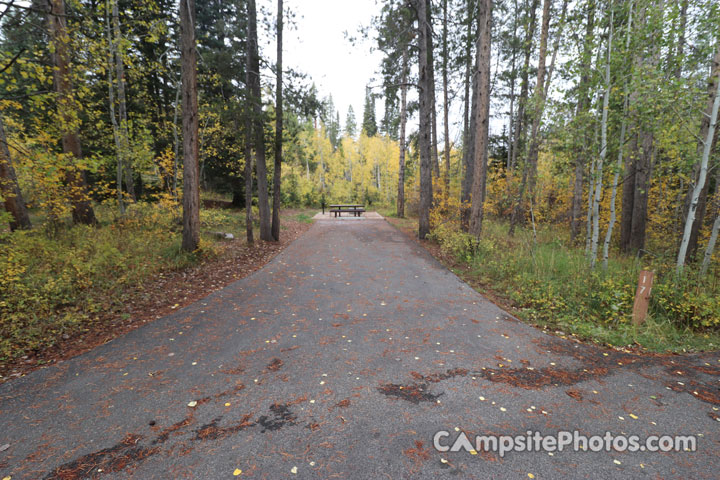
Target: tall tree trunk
[[9, 188], [539, 106], [433, 102], [530, 168], [278, 128], [628, 189], [122, 103], [483, 112], [513, 79], [643, 174], [582, 106], [639, 173], [714, 233], [700, 184], [446, 99], [113, 120], [176, 139], [520, 121], [191, 169], [82, 211], [248, 167], [469, 129], [425, 127], [403, 123], [621, 150], [249, 140], [702, 201], [603, 146], [258, 124]]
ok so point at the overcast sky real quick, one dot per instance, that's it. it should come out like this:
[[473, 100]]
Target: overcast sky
[[318, 46]]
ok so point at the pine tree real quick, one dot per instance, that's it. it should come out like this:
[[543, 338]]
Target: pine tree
[[369, 124], [350, 122], [191, 171]]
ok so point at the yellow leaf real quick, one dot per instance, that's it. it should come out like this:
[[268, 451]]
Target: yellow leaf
[[634, 417], [473, 452], [293, 470], [531, 475], [237, 472]]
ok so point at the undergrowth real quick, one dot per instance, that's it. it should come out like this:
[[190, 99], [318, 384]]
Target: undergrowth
[[551, 284]]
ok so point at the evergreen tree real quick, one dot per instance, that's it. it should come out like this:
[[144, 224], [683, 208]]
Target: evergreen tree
[[350, 123], [369, 125], [331, 119]]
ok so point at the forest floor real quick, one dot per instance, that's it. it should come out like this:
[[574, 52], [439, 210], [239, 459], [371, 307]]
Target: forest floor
[[341, 358], [161, 286]]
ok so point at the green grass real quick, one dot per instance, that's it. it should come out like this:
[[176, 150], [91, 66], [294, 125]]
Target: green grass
[[387, 211], [552, 285], [305, 217]]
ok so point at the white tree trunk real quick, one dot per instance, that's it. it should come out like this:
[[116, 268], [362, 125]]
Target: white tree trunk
[[603, 150], [619, 165], [711, 245], [588, 226], [701, 179]]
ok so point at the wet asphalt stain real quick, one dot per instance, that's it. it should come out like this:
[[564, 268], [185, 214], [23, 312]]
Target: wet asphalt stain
[[212, 431], [122, 456], [281, 416], [413, 393]]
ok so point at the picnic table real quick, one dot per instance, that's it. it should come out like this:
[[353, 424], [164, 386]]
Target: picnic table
[[355, 209]]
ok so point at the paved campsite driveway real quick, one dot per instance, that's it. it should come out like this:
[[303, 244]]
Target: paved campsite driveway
[[340, 359]]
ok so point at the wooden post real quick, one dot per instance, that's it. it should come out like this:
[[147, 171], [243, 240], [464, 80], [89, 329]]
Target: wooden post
[[642, 296]]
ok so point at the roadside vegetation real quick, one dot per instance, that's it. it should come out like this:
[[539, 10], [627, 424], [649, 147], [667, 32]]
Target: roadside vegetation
[[546, 282], [74, 279]]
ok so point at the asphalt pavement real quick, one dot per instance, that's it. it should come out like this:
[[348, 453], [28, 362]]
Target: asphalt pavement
[[342, 358]]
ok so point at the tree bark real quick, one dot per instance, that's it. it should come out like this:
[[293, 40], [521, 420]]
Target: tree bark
[[582, 105], [403, 123], [621, 150], [425, 127], [530, 168], [191, 169], [713, 234], [700, 184], [122, 104], [9, 187], [278, 128], [628, 197], [82, 210], [113, 120], [513, 79], [248, 176], [433, 102], [483, 115], [643, 173], [176, 139], [446, 114], [603, 147], [520, 121], [702, 201], [258, 124], [469, 125], [638, 174], [539, 106]]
